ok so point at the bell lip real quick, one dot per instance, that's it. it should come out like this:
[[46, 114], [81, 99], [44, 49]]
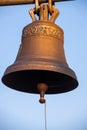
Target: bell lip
[[65, 70], [41, 65]]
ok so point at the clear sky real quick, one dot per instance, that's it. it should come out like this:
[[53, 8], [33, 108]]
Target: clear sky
[[68, 111]]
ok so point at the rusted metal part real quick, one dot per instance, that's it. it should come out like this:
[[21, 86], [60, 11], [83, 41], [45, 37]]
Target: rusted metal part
[[20, 2]]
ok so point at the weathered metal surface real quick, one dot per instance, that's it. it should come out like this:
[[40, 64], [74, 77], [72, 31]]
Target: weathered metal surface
[[41, 59], [19, 2]]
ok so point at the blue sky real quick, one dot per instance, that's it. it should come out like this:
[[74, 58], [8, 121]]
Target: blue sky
[[68, 111]]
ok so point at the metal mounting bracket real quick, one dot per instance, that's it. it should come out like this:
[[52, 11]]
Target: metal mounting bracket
[[20, 2]]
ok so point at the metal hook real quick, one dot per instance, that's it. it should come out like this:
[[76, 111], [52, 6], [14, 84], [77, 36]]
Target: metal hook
[[55, 14], [37, 7], [32, 14], [50, 4]]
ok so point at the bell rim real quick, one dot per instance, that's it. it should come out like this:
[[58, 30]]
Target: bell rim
[[53, 66], [64, 69]]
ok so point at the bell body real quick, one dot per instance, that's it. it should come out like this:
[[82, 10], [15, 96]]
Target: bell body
[[41, 59]]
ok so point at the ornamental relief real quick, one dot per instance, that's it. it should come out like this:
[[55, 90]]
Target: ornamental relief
[[43, 30]]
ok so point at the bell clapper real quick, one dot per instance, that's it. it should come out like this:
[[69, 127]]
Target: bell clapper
[[42, 87]]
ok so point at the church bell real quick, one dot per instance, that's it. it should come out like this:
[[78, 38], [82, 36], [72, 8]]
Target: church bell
[[41, 57]]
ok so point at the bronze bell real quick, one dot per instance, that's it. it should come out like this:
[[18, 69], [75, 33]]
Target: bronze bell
[[41, 59]]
